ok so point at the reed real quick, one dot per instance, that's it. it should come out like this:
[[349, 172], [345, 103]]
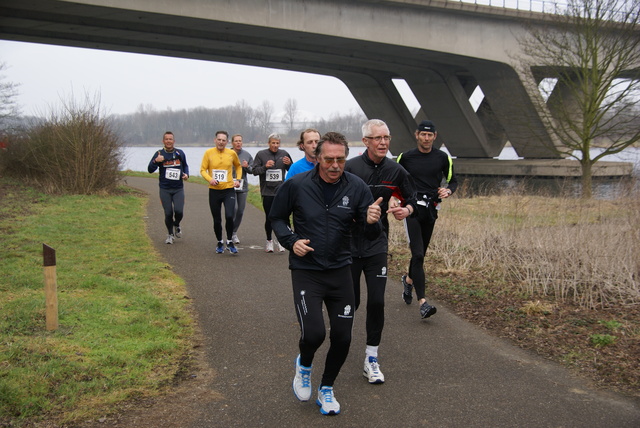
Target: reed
[[580, 251]]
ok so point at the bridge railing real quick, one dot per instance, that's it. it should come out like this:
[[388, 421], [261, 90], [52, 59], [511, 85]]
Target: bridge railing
[[543, 6], [621, 12]]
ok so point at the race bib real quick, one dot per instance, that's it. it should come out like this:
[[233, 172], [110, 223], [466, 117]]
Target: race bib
[[172, 174], [220, 174], [274, 175]]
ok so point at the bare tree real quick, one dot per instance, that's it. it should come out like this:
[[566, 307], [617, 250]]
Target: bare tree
[[590, 49], [290, 113], [348, 124], [263, 116], [9, 109]]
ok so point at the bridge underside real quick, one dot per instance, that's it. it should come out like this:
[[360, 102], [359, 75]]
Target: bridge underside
[[441, 82]]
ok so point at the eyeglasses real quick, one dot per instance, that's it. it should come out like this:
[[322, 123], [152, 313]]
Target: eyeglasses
[[377, 139], [331, 161]]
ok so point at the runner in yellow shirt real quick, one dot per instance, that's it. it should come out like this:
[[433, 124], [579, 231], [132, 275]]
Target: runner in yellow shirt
[[217, 168]]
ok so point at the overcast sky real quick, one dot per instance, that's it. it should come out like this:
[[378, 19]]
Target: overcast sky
[[48, 73]]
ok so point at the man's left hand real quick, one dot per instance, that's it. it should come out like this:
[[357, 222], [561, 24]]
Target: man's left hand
[[444, 192], [374, 211], [399, 212]]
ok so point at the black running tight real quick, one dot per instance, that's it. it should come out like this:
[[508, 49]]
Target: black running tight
[[173, 205], [217, 198], [333, 287]]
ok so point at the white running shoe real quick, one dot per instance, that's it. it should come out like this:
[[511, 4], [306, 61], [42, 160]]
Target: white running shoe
[[279, 247], [372, 370], [327, 402], [302, 382], [178, 232], [235, 239], [169, 239], [269, 247]]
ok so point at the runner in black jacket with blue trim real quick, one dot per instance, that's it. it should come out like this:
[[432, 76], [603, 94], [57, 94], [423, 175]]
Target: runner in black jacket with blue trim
[[173, 171], [432, 172], [327, 203], [392, 182]]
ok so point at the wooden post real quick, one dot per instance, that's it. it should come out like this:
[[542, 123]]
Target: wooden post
[[50, 287]]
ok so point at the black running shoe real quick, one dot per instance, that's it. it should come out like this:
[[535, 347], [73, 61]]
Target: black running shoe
[[426, 310], [407, 295]]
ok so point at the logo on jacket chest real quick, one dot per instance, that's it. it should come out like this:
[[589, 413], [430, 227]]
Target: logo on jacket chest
[[344, 203]]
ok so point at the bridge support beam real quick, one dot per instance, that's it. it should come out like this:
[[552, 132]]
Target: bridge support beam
[[562, 102], [512, 106], [445, 100], [378, 97]]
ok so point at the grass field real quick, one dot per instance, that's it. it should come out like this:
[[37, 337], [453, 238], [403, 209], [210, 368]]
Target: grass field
[[124, 325]]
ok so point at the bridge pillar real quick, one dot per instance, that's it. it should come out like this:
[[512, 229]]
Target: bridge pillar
[[445, 100], [512, 106], [563, 104], [494, 131], [379, 99]]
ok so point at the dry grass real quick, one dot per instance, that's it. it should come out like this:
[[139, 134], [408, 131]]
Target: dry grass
[[575, 251], [558, 276]]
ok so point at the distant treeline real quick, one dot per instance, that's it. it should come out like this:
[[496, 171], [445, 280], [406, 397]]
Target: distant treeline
[[198, 125]]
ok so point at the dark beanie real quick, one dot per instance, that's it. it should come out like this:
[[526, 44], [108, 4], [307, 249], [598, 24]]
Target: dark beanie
[[427, 125]]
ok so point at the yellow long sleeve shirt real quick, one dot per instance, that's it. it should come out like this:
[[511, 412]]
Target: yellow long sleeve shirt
[[219, 165]]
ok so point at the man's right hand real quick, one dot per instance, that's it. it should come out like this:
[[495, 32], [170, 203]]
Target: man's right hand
[[301, 247]]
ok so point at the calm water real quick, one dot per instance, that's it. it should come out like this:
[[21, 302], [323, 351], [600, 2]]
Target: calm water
[[137, 159]]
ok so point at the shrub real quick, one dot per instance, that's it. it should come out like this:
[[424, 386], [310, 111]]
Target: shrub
[[73, 151]]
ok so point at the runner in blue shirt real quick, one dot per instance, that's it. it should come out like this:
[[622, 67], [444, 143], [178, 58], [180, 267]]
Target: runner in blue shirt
[[307, 143]]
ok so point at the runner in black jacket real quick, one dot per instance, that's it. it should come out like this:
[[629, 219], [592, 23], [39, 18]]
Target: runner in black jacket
[[173, 170], [325, 202], [432, 171], [388, 180]]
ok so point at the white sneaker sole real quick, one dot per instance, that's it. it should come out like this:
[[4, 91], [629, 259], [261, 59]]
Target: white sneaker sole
[[373, 380]]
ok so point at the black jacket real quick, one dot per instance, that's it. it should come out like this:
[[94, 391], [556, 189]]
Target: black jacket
[[429, 170], [267, 186], [385, 180], [328, 227], [176, 161]]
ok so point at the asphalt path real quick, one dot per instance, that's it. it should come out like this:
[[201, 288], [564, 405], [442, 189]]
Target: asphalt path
[[440, 372]]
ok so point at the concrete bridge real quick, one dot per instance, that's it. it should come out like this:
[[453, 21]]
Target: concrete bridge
[[443, 50]]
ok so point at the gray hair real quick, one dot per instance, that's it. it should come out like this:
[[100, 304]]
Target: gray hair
[[369, 124]]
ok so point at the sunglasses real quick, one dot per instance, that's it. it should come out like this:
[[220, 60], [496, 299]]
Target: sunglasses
[[331, 161]]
